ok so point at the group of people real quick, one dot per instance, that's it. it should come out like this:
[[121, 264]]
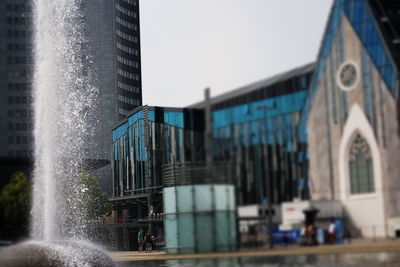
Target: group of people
[[309, 234], [145, 240]]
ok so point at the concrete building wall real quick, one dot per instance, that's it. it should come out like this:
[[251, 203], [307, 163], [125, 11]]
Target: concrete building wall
[[330, 139]]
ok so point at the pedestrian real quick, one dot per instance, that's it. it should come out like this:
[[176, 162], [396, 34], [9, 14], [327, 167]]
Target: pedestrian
[[140, 239], [286, 239], [153, 242], [303, 236], [148, 241], [332, 232], [311, 235]]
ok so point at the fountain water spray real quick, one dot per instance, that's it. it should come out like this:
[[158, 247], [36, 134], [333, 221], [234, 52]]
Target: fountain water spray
[[64, 105], [64, 127]]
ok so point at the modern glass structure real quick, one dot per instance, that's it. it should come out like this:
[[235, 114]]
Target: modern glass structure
[[256, 129], [256, 146], [149, 144], [200, 218], [328, 131], [148, 139], [352, 115]]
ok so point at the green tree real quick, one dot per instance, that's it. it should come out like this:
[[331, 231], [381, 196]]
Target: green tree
[[94, 198], [15, 206]]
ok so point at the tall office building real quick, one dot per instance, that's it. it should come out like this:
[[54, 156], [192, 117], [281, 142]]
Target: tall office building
[[15, 85], [113, 49]]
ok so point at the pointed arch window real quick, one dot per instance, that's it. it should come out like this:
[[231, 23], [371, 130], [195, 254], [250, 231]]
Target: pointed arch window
[[361, 167]]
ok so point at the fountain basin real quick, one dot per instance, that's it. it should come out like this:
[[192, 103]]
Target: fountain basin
[[59, 253]]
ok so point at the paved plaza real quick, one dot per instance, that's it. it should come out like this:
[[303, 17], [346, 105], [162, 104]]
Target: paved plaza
[[357, 246]]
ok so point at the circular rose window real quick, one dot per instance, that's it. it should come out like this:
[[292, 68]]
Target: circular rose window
[[347, 76]]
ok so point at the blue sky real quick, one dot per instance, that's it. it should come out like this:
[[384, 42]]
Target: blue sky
[[188, 45]]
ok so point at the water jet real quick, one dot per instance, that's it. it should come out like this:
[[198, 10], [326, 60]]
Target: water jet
[[64, 107]]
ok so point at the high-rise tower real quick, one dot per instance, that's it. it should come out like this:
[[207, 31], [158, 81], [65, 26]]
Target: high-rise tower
[[113, 48], [15, 86], [15, 78]]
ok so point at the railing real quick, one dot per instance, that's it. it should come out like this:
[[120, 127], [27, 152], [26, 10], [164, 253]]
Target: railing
[[196, 173]]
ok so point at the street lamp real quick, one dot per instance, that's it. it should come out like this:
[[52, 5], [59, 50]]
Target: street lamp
[[266, 108]]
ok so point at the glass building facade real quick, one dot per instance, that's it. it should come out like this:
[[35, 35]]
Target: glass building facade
[[256, 130], [255, 134], [148, 139], [327, 131]]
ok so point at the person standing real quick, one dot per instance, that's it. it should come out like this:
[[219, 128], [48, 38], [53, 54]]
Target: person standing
[[140, 239], [332, 232], [148, 241], [153, 242]]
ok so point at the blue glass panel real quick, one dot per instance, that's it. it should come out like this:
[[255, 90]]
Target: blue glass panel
[[135, 117], [368, 31], [174, 119], [119, 132], [264, 108], [151, 115]]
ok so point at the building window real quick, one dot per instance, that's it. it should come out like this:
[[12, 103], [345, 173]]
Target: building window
[[361, 168]]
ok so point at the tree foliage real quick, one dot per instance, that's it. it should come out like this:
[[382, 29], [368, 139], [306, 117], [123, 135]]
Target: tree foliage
[[93, 198], [15, 205]]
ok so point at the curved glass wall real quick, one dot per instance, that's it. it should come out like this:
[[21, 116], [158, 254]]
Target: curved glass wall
[[200, 218]]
